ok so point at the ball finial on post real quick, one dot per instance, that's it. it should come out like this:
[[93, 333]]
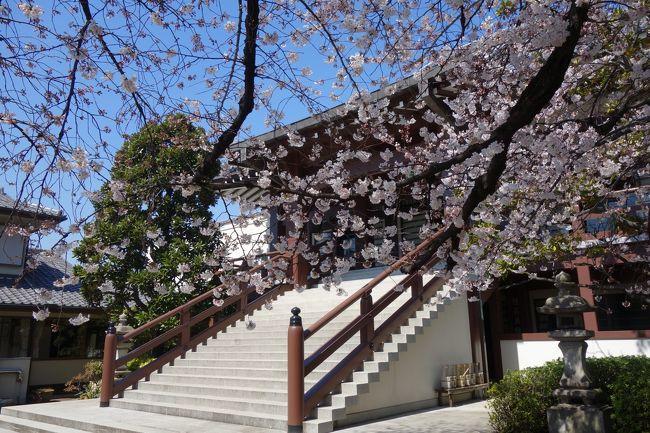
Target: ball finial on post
[[295, 320]]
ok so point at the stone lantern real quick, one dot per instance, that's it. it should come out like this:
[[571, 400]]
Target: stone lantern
[[123, 347], [577, 411]]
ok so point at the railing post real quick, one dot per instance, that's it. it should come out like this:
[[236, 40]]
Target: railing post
[[296, 373], [368, 331], [416, 287], [243, 300], [185, 332], [108, 366], [299, 269]]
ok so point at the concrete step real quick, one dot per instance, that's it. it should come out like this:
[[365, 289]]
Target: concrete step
[[241, 363], [251, 356], [217, 355], [227, 416], [221, 391], [14, 424], [277, 341], [210, 402], [264, 336], [236, 382], [279, 328], [281, 325], [251, 346], [246, 373]]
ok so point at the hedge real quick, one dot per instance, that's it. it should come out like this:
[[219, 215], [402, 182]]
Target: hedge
[[519, 401]]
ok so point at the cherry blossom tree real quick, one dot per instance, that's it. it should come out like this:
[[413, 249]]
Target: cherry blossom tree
[[523, 110]]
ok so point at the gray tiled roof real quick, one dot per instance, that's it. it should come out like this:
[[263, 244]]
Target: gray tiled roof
[[8, 205], [49, 269]]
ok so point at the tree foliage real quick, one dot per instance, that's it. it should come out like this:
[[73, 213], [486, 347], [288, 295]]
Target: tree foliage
[[494, 119], [518, 402], [146, 249]]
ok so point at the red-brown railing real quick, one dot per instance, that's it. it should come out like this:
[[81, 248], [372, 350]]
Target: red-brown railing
[[300, 404], [188, 317]]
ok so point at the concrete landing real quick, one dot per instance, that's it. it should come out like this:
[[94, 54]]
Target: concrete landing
[[86, 415], [466, 418]]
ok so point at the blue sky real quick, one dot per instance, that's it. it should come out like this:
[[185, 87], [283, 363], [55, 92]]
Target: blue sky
[[156, 38]]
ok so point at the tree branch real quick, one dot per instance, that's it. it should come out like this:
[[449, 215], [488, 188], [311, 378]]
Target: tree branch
[[247, 100], [85, 7], [537, 94]]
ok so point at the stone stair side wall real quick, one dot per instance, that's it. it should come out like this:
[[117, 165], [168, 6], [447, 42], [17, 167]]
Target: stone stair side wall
[[410, 381]]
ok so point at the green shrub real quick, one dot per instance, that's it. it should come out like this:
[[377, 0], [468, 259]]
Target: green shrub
[[91, 390], [87, 383], [630, 396], [519, 401], [138, 362]]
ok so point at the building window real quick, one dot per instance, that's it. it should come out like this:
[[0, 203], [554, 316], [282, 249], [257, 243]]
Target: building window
[[520, 298], [597, 225], [50, 339], [511, 313], [619, 312], [68, 341], [14, 336], [542, 322]]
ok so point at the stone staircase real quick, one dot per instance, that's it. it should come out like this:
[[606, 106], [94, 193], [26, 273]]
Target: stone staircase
[[240, 376]]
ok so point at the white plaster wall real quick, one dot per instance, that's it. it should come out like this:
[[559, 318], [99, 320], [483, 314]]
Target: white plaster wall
[[245, 236], [412, 378], [12, 252], [518, 354]]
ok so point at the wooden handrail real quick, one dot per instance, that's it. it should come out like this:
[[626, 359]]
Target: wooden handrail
[[182, 331], [371, 337], [370, 285], [198, 299], [321, 354], [343, 369], [149, 345]]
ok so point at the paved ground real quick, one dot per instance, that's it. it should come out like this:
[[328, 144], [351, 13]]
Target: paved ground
[[467, 418]]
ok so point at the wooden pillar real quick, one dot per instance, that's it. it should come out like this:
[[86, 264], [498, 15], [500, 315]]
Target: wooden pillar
[[295, 373], [299, 266], [584, 282], [477, 335], [185, 332], [496, 324], [416, 287], [368, 331], [108, 366], [300, 270]]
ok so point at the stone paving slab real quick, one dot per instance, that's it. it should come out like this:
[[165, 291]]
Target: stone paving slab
[[466, 418]]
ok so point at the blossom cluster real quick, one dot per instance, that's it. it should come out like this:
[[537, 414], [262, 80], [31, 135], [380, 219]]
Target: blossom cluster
[[491, 122]]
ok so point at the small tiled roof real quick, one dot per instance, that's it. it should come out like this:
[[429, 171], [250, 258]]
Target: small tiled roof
[[8, 205], [23, 291]]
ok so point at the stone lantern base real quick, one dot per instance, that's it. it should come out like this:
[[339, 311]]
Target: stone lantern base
[[578, 418]]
